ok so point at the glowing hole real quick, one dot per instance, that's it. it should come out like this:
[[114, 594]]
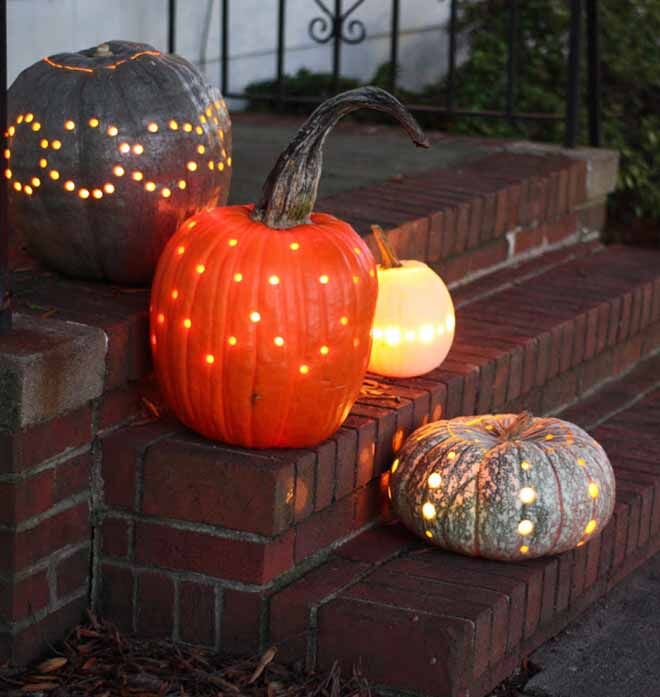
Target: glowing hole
[[166, 193], [174, 126], [187, 127], [429, 534], [192, 224], [581, 461], [180, 250], [525, 465], [187, 323], [202, 118], [138, 176], [43, 162], [175, 294], [150, 186], [201, 149], [8, 174], [451, 455], [36, 182], [181, 184], [211, 164], [278, 341], [343, 320], [124, 148], [210, 359], [36, 126], [524, 549], [238, 277], [19, 119], [549, 436], [428, 511], [11, 130], [56, 144], [221, 166], [7, 153], [324, 350], [356, 342], [28, 189], [255, 316], [200, 268], [28, 118], [153, 340], [426, 334], [192, 166], [93, 123], [109, 188], [199, 130], [527, 494], [304, 369], [152, 127], [69, 186], [274, 280], [118, 171], [229, 162], [208, 111], [54, 174], [161, 318], [392, 336], [138, 149], [323, 279], [395, 465], [525, 527], [18, 186], [97, 193], [294, 246], [232, 341], [83, 193], [112, 131], [356, 279], [232, 242], [44, 143], [434, 480], [69, 125], [593, 490]]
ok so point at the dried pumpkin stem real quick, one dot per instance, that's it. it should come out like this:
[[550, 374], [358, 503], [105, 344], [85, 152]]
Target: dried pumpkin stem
[[388, 259], [290, 191], [518, 425]]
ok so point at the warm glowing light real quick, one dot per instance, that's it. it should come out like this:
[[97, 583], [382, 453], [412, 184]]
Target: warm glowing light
[[36, 182], [591, 526], [392, 336], [229, 162], [36, 126], [124, 148], [210, 359], [304, 369], [97, 193], [175, 294], [581, 461], [200, 268], [166, 193], [527, 494], [192, 166], [7, 153], [201, 149], [343, 320], [410, 335], [174, 126], [150, 186], [294, 246], [274, 280], [208, 111], [426, 333], [43, 162], [324, 350], [54, 174], [525, 527], [69, 125], [323, 279], [593, 490], [109, 188], [8, 174], [440, 330], [211, 164], [187, 127], [232, 242], [428, 511], [434, 480], [524, 549], [153, 340], [152, 127], [238, 277], [43, 143], [356, 279], [429, 534], [118, 171], [356, 342], [11, 130], [232, 341], [180, 250], [27, 189], [395, 465], [187, 323], [112, 131], [451, 455], [161, 318], [181, 184], [83, 193], [199, 130], [450, 323], [69, 186], [93, 123], [138, 176], [549, 436], [278, 341], [19, 119], [192, 224], [202, 118], [255, 317], [377, 333], [525, 465], [29, 117], [138, 149], [221, 166], [18, 186], [56, 144]]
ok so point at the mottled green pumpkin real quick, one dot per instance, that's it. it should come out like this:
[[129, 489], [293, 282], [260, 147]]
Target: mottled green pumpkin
[[503, 486], [108, 150]]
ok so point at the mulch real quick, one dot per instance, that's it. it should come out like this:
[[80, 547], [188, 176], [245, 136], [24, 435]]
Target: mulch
[[96, 660]]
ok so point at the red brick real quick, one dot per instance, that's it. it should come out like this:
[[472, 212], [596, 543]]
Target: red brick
[[577, 187], [378, 544], [578, 573], [138, 348], [23, 598], [305, 486], [346, 440], [241, 622], [621, 512], [366, 447], [385, 420], [527, 239], [558, 231], [119, 406], [643, 500], [116, 596], [326, 461], [72, 573], [25, 498], [197, 616], [24, 449], [221, 557], [116, 364], [370, 502], [114, 537], [564, 581], [324, 528], [72, 476], [155, 605], [593, 560]]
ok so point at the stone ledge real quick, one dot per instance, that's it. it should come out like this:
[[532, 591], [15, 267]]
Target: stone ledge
[[47, 368]]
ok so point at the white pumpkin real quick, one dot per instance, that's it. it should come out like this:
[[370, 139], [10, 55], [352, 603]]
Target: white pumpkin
[[414, 323]]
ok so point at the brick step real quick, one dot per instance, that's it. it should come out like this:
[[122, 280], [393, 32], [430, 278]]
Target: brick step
[[243, 523], [428, 622]]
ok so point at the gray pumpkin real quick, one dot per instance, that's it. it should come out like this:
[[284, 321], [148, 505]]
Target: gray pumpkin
[[503, 486], [109, 149]]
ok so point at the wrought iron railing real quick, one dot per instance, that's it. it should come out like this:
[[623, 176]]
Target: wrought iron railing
[[338, 23]]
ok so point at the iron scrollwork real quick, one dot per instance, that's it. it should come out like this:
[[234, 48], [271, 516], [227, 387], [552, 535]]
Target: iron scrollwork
[[325, 29]]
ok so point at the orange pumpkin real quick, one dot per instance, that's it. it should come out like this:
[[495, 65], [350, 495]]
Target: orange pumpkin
[[261, 315]]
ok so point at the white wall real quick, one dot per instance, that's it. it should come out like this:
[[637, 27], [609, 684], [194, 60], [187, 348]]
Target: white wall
[[43, 27]]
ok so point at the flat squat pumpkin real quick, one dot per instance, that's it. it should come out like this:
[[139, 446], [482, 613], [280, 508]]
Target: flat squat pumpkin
[[503, 486], [261, 315], [109, 150]]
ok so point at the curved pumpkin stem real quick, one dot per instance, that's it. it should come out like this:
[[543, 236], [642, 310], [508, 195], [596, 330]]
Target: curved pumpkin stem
[[517, 426], [289, 193], [389, 260]]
